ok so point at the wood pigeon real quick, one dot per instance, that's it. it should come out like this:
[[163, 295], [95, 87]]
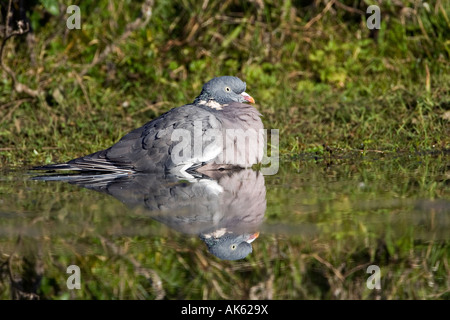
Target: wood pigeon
[[225, 210], [219, 130]]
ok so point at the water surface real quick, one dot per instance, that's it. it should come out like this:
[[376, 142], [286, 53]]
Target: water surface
[[308, 232]]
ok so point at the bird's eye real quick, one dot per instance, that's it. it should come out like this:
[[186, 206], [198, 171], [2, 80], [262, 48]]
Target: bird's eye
[[227, 89], [233, 247]]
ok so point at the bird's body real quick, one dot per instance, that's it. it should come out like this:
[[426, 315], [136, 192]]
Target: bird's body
[[225, 209], [203, 134]]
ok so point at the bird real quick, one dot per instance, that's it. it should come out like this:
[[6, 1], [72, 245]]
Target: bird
[[225, 209], [221, 118]]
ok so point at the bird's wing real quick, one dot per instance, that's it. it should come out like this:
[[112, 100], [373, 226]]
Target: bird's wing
[[149, 148]]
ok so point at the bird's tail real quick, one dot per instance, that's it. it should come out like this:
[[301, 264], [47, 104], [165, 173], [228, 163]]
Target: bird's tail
[[56, 166]]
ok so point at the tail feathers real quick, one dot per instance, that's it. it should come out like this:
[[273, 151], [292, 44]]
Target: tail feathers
[[57, 166], [95, 162], [86, 164], [100, 165], [90, 181]]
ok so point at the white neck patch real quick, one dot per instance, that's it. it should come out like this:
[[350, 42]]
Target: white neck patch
[[216, 234], [211, 103]]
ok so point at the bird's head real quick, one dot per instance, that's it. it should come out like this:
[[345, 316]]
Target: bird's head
[[230, 246], [223, 90]]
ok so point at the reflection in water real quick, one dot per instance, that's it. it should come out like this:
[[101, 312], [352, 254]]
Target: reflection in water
[[225, 209], [325, 225]]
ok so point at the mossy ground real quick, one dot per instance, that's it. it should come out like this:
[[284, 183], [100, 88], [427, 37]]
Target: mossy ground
[[331, 82]]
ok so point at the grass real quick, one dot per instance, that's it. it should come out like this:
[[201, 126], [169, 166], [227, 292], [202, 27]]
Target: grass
[[332, 82]]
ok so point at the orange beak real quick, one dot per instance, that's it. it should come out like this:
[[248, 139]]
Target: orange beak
[[253, 237], [247, 97]]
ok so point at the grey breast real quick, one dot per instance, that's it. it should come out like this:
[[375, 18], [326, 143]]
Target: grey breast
[[244, 140]]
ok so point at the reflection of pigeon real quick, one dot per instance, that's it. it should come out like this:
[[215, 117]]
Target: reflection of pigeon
[[157, 146], [225, 211]]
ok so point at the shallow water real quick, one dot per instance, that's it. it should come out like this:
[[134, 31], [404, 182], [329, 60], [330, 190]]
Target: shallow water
[[308, 232]]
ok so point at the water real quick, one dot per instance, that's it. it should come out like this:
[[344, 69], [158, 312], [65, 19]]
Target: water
[[308, 232]]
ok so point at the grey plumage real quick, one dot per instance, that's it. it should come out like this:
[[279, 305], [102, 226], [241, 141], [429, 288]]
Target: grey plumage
[[225, 209], [150, 148]]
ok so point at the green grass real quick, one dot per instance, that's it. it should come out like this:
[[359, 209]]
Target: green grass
[[329, 83]]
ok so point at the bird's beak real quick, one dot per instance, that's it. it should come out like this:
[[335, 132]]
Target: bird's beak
[[247, 97], [253, 236]]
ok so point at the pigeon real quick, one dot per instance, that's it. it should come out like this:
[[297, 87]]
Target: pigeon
[[225, 210], [219, 130]]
